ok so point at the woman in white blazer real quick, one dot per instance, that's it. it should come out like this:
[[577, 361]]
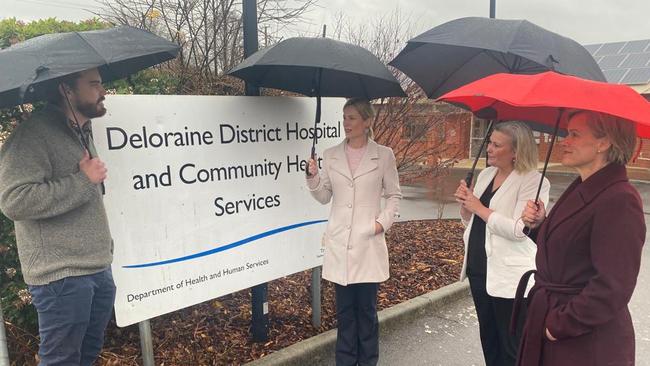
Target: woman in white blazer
[[354, 176], [497, 252]]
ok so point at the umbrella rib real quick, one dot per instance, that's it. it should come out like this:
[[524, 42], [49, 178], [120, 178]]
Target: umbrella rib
[[517, 63], [517, 67], [262, 77], [363, 86], [520, 58], [25, 86], [533, 67], [501, 61], [459, 67], [92, 48]]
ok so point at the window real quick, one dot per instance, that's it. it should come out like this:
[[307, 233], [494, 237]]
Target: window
[[415, 130], [479, 130]]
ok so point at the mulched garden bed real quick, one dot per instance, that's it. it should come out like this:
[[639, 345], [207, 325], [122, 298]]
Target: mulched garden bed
[[424, 255]]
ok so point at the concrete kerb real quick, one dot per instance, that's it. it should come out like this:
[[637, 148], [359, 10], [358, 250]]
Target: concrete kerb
[[321, 347]]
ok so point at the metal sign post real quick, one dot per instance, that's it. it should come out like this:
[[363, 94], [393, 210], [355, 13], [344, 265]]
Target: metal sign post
[[146, 343], [316, 296], [259, 299], [316, 278]]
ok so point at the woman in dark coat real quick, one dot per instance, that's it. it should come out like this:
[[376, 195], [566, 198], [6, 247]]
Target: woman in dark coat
[[589, 253]]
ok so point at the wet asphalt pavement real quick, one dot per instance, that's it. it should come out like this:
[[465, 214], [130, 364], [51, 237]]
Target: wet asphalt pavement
[[450, 337]]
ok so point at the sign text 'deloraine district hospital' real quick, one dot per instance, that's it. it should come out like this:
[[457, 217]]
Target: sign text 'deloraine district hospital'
[[206, 195]]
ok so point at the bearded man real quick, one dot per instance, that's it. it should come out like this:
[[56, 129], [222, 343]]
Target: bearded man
[[50, 186]]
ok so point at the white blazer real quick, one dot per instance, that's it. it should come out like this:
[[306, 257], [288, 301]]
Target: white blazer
[[353, 253], [509, 252]]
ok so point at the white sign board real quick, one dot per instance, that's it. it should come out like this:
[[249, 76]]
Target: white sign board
[[206, 195]]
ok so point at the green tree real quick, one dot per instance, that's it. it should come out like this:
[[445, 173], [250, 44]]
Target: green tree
[[150, 81], [15, 297], [13, 30]]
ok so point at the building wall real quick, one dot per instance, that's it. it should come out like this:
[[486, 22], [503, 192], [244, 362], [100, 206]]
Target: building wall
[[545, 144], [448, 135], [456, 135]]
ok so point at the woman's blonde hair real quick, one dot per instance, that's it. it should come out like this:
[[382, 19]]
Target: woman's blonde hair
[[621, 133], [523, 144], [365, 109]]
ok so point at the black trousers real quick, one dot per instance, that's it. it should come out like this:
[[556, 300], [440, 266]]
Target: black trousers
[[357, 337], [499, 347]]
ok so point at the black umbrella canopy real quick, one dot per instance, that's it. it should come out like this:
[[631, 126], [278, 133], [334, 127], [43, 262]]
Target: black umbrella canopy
[[467, 49], [294, 64], [28, 67]]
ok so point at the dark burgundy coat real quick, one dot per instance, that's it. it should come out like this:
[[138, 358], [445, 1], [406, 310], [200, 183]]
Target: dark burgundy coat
[[588, 259]]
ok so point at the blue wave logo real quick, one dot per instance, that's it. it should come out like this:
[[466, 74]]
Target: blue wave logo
[[226, 247]]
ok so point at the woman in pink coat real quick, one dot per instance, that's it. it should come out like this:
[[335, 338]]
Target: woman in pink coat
[[588, 253], [354, 176]]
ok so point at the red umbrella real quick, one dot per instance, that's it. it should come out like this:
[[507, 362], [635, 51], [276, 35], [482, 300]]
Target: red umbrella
[[543, 97]]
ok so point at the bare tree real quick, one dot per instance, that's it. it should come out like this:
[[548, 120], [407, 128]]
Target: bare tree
[[209, 32], [413, 127]]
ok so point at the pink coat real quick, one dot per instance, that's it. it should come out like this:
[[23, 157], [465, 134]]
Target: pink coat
[[353, 253]]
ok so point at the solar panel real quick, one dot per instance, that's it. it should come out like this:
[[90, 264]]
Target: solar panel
[[636, 46], [592, 48], [614, 75], [623, 62], [637, 76], [610, 48], [636, 60], [611, 61]]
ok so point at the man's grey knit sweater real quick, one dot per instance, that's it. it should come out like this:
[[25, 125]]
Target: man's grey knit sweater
[[61, 224]]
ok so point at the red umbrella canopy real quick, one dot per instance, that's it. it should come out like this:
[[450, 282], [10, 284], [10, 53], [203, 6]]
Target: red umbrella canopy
[[542, 97]]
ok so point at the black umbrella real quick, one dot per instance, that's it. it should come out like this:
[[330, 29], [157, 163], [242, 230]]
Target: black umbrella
[[319, 67], [467, 49], [28, 68]]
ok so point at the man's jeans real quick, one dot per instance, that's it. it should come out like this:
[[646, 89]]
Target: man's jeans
[[72, 316]]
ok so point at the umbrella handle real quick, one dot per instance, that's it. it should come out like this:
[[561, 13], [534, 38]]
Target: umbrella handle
[[316, 122], [313, 156], [469, 177], [527, 230]]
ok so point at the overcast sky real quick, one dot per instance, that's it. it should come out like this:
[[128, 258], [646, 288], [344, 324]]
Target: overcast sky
[[586, 21]]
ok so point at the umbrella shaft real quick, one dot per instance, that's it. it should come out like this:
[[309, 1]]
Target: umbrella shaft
[[316, 122], [548, 154], [82, 137], [470, 174]]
